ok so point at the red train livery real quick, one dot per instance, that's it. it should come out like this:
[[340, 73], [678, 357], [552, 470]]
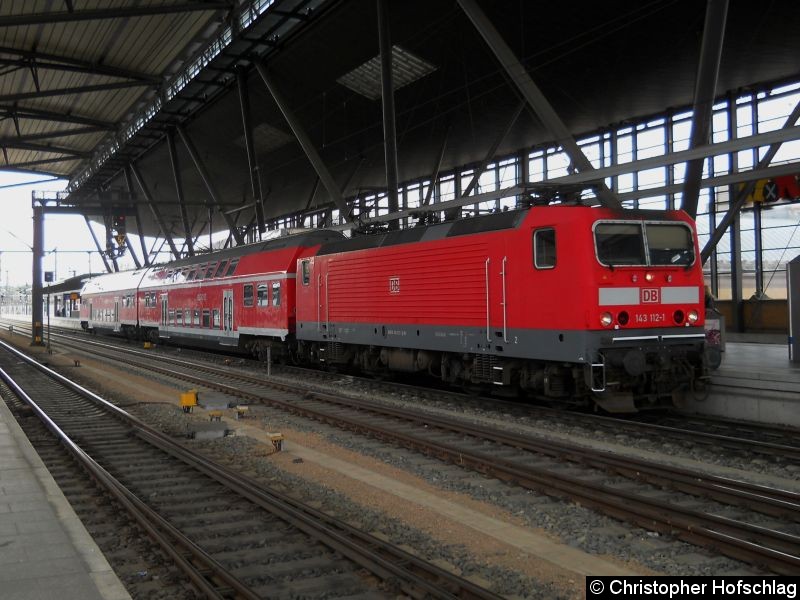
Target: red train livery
[[565, 302]]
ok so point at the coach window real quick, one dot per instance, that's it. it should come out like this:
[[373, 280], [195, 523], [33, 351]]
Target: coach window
[[306, 268], [206, 318], [216, 318], [263, 294], [210, 271], [221, 268], [201, 271], [247, 296], [232, 267], [544, 248], [192, 273], [196, 318], [276, 293]]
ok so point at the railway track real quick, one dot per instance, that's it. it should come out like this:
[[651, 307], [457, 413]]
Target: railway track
[[232, 537], [746, 439], [731, 517]]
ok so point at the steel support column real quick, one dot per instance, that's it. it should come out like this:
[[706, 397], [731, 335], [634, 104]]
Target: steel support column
[[255, 178], [37, 313], [745, 191], [154, 209], [534, 96], [437, 168], [387, 96], [173, 159], [493, 149], [100, 250], [212, 190], [139, 224], [704, 90], [305, 142], [133, 252]]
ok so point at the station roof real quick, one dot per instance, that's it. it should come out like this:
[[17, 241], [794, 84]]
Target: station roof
[[91, 86]]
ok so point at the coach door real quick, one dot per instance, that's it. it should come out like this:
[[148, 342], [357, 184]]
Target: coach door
[[227, 312], [164, 311], [116, 314]]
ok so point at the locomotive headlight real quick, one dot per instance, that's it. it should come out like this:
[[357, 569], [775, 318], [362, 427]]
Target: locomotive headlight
[[606, 319], [649, 276], [691, 317]]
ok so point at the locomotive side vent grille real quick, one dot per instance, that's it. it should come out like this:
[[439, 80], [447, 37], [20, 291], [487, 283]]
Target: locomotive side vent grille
[[483, 368]]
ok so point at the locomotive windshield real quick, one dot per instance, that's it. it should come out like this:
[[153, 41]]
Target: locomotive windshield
[[644, 244]]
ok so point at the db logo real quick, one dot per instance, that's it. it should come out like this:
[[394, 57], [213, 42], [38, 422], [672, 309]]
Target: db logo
[[650, 296], [394, 285]]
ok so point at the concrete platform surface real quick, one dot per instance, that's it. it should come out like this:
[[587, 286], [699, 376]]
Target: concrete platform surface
[[45, 552], [756, 382]]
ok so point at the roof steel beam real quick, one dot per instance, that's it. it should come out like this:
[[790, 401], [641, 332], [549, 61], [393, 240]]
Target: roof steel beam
[[81, 89], [126, 170], [100, 250], [44, 60], [111, 13], [438, 167], [14, 143], [212, 189], [531, 92], [305, 142], [247, 126], [785, 134], [387, 100], [741, 196], [34, 114], [173, 160], [135, 258], [705, 87], [35, 163], [32, 137], [154, 209], [493, 149]]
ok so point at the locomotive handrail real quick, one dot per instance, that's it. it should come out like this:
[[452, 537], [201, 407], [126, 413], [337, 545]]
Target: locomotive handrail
[[488, 326], [327, 306], [505, 322]]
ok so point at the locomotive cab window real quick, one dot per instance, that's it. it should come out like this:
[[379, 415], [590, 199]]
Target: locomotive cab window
[[619, 244], [247, 296], [306, 271], [544, 248], [669, 244]]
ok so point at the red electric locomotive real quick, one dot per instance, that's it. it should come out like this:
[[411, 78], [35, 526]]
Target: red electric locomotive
[[566, 302]]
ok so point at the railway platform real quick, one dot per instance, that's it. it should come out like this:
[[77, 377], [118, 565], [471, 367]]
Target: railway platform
[[45, 552], [756, 382]]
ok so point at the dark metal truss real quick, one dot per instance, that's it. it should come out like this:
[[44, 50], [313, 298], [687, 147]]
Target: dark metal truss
[[18, 112], [13, 143], [81, 89], [111, 13], [12, 59], [32, 137]]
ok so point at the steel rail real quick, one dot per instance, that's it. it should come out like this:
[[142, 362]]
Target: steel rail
[[752, 544], [413, 575], [164, 534]]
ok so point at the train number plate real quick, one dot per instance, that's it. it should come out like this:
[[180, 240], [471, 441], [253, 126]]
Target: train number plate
[[650, 318]]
